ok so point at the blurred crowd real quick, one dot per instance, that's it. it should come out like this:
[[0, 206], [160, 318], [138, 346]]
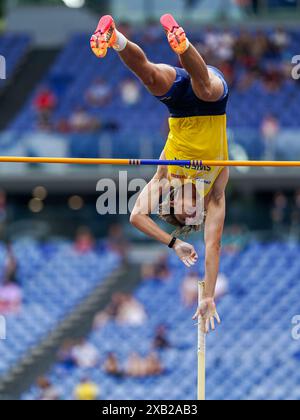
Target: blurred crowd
[[82, 120], [285, 214], [11, 295], [245, 57]]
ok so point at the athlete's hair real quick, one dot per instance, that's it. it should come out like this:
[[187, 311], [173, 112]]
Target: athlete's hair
[[167, 214]]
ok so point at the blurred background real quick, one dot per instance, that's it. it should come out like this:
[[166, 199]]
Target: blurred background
[[94, 310]]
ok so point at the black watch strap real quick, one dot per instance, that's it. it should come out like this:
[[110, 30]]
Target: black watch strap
[[172, 243]]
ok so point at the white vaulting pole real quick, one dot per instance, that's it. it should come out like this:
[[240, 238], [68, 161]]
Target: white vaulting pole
[[201, 348]]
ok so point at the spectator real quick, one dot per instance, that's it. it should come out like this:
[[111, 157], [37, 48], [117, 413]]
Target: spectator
[[281, 39], [135, 366], [228, 69], [161, 341], [84, 241], [85, 355], [111, 365], [87, 390], [11, 265], [131, 312], [3, 213], [130, 92], [45, 103], [117, 241], [189, 291], [211, 41], [124, 309], [157, 271], [99, 93], [63, 126], [279, 212], [65, 355], [162, 272], [153, 365], [47, 391], [270, 129], [225, 50], [140, 367], [273, 78], [10, 298], [259, 46], [295, 216], [243, 49], [222, 286], [190, 288], [110, 312], [81, 121]]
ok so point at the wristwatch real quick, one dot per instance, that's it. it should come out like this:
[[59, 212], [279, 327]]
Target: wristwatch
[[172, 243]]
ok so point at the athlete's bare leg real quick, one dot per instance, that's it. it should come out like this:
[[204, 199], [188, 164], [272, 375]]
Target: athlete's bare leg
[[206, 85], [158, 78], [194, 64]]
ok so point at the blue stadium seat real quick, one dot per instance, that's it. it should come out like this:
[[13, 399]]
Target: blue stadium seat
[[252, 354], [53, 283]]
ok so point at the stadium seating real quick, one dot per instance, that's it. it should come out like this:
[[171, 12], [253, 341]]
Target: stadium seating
[[252, 354], [13, 48], [54, 279]]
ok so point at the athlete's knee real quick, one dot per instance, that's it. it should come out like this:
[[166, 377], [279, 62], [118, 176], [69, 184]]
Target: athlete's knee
[[202, 90], [150, 76], [160, 79]]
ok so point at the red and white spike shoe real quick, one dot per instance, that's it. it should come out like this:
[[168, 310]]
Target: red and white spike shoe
[[104, 37], [175, 34]]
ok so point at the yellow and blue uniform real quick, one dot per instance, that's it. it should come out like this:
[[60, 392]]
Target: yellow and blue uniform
[[197, 130]]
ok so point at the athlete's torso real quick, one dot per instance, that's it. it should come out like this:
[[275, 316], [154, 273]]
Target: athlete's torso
[[197, 130]]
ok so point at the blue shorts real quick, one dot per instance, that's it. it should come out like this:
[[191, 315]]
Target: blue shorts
[[182, 101]]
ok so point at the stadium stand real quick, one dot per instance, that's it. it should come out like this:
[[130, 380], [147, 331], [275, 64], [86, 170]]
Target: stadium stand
[[269, 82], [13, 48], [54, 278], [251, 356]]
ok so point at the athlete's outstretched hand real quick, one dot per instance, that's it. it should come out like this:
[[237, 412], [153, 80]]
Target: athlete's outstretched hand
[[207, 311], [186, 253]]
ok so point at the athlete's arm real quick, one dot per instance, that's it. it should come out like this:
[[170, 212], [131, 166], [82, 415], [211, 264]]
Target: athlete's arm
[[147, 203], [214, 226]]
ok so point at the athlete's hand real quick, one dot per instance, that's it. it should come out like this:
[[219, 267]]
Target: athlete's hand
[[186, 253], [207, 312]]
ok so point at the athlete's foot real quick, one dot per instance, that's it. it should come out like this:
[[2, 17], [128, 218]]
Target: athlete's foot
[[176, 35], [104, 37]]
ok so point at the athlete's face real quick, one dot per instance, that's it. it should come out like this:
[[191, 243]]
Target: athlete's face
[[188, 212], [185, 205]]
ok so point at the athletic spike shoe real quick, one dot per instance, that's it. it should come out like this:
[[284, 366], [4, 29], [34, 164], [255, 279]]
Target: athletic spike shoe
[[104, 37], [175, 34]]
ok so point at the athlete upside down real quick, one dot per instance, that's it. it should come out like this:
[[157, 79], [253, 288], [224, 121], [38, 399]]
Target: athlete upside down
[[196, 96]]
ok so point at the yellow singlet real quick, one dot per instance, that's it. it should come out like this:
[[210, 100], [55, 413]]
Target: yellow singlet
[[201, 138]]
